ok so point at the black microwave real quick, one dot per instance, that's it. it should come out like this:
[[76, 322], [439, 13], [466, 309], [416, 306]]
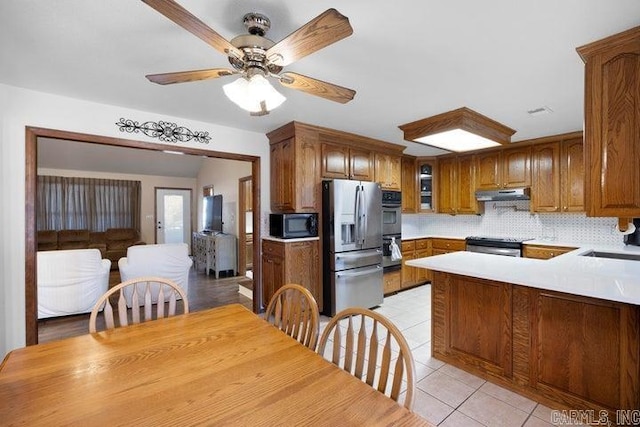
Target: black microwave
[[293, 225]]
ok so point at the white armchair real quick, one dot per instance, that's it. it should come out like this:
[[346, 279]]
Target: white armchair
[[169, 260], [70, 281]]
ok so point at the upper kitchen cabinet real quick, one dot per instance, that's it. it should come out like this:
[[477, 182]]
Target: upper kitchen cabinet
[[612, 125], [342, 162], [507, 168], [427, 169], [409, 180], [388, 171], [456, 185], [349, 156], [558, 175], [302, 155], [295, 169]]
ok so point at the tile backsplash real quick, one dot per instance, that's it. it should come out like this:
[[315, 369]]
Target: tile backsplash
[[513, 219]]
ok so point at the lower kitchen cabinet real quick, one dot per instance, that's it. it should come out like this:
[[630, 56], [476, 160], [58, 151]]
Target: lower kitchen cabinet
[[391, 282], [408, 275], [444, 246], [580, 352], [290, 262], [413, 249], [544, 252]]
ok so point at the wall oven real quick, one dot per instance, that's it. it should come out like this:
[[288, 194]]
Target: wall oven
[[391, 227], [391, 213], [387, 263]]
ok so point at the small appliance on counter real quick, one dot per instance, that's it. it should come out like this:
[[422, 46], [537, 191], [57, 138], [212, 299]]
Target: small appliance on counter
[[293, 225], [633, 238]]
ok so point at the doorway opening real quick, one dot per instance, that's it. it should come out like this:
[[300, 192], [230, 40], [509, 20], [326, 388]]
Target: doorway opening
[[32, 137]]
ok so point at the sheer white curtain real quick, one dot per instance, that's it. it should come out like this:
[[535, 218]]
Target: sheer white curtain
[[70, 203]]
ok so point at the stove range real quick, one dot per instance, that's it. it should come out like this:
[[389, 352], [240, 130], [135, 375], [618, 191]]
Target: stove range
[[508, 246]]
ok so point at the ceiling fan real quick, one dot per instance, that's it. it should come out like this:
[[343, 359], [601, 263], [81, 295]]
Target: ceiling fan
[[255, 57]]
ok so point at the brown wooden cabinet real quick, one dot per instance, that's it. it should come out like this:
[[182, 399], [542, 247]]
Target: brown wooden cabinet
[[410, 190], [344, 162], [295, 170], [388, 171], [544, 252], [578, 351], [456, 185], [427, 180], [414, 249], [290, 262], [612, 120], [408, 274], [506, 168], [391, 282], [423, 250], [558, 176]]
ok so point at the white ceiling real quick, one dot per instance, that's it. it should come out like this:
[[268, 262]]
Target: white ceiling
[[79, 156], [407, 59]]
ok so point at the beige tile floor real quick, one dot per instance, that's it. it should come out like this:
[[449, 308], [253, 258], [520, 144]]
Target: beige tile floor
[[445, 395]]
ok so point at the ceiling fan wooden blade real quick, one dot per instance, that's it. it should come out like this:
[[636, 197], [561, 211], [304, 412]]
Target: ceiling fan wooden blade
[[317, 87], [189, 76], [189, 22], [325, 29]]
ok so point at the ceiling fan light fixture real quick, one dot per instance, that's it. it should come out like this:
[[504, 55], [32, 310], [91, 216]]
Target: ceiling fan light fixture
[[458, 130], [253, 94]]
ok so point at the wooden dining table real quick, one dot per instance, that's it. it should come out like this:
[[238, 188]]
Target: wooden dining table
[[222, 366]]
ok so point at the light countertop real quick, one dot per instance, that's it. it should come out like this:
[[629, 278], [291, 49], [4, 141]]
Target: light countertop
[[604, 278]]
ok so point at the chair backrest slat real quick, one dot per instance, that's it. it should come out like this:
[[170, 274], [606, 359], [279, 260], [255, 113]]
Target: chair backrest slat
[[368, 346], [349, 339], [147, 302], [138, 295], [294, 311], [384, 365], [373, 354], [362, 347]]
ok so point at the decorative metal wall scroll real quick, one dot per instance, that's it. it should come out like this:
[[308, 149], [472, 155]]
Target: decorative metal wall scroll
[[164, 131]]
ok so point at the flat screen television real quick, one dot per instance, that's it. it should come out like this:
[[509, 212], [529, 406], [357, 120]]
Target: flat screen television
[[212, 214]]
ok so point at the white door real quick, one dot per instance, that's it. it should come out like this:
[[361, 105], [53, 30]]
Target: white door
[[173, 215]]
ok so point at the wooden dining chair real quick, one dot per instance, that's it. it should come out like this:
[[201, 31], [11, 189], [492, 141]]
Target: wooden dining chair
[[294, 311], [369, 341], [157, 297]]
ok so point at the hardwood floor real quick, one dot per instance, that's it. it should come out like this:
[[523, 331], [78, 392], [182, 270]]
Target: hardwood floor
[[204, 292]]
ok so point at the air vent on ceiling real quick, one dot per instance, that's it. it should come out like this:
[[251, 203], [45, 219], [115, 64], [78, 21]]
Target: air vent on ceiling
[[540, 111]]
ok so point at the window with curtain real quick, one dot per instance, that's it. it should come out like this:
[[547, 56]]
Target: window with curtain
[[68, 203]]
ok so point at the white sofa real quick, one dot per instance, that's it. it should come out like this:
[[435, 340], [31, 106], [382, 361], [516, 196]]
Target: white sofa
[[169, 260], [70, 281]]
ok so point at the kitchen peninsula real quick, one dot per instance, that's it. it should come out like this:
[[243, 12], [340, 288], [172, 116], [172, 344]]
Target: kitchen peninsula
[[565, 331]]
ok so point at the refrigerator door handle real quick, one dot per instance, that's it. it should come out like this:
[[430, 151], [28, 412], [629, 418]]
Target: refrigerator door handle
[[373, 270], [363, 219], [360, 214], [357, 213], [358, 254]]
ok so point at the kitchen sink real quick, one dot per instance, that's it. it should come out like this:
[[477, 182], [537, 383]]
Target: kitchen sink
[[612, 255]]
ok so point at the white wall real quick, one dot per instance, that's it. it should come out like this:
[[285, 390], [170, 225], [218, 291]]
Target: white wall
[[5, 244], [223, 175], [148, 183], [30, 108]]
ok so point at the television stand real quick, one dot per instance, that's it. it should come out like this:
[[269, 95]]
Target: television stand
[[215, 252]]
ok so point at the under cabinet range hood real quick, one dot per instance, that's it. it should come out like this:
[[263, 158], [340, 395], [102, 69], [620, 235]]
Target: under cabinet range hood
[[523, 193]]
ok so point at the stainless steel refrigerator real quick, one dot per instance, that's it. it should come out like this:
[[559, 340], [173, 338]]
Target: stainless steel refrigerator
[[352, 244]]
